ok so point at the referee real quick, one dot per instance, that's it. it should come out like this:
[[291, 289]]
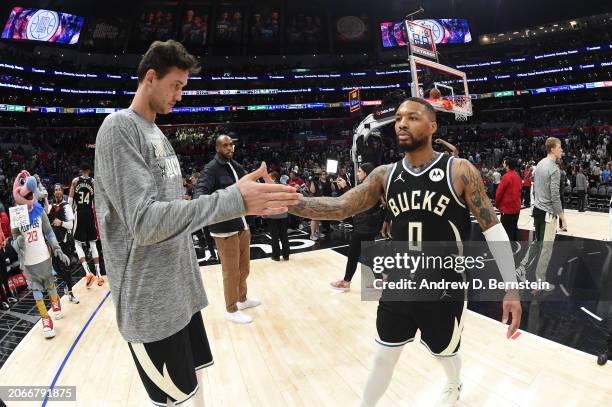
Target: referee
[[546, 211]]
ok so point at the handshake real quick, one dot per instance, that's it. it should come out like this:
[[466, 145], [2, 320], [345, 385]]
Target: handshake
[[266, 198]]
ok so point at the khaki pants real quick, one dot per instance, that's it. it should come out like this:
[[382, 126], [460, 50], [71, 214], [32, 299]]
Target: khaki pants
[[235, 255]]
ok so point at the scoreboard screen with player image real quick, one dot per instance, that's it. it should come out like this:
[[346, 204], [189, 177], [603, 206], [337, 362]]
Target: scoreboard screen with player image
[[43, 25], [445, 31]]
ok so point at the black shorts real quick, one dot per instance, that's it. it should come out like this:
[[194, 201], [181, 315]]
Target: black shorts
[[85, 227], [168, 367], [440, 323]]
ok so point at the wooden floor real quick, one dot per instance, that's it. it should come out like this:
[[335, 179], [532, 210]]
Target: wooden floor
[[308, 346], [590, 225]]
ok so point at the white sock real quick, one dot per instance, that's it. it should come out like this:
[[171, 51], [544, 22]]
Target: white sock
[[452, 367], [97, 266], [199, 396], [385, 359]]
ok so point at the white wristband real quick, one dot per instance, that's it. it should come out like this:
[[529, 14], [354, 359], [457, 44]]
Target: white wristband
[[499, 244]]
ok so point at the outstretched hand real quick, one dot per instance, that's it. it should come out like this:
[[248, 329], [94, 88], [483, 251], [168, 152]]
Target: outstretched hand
[[266, 198], [62, 257], [512, 305]]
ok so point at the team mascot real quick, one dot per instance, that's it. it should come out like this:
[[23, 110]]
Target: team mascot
[[29, 242]]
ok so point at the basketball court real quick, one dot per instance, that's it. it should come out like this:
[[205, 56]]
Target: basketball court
[[310, 345]]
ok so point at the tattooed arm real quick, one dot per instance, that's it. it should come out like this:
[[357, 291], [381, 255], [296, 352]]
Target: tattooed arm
[[469, 185], [356, 200]]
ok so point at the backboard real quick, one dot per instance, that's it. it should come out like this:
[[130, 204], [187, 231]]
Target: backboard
[[444, 87], [421, 40]]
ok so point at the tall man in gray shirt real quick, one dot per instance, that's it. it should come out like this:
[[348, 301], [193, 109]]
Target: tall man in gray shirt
[[546, 211], [146, 227]]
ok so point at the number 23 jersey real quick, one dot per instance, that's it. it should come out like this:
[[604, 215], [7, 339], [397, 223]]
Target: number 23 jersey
[[36, 247]]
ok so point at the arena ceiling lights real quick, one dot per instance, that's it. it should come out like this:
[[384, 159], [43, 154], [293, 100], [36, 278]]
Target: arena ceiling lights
[[544, 29]]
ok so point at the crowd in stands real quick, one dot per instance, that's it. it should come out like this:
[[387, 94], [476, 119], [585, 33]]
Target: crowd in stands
[[304, 147]]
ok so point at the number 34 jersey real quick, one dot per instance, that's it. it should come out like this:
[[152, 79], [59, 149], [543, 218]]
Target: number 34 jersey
[[84, 194], [424, 206]]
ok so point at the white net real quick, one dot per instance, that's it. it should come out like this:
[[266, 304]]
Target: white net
[[461, 105]]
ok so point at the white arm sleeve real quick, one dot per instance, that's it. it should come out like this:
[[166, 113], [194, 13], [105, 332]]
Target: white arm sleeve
[[69, 213], [69, 218], [499, 244]]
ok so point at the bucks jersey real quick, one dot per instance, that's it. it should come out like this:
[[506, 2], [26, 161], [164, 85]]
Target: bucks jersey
[[425, 210], [424, 206], [84, 229], [84, 194]]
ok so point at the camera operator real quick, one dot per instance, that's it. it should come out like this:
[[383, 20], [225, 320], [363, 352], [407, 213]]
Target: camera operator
[[319, 186], [298, 183]]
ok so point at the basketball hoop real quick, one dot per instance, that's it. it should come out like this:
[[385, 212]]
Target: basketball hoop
[[461, 115]]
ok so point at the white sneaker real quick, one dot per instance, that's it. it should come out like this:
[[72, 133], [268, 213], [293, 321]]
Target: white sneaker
[[314, 238], [238, 317], [449, 395], [249, 303], [72, 298]]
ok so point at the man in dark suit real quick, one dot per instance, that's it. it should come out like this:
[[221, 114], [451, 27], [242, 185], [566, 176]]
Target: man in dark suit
[[232, 237]]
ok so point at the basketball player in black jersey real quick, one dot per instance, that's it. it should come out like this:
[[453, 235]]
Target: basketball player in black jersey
[[81, 197], [429, 196]]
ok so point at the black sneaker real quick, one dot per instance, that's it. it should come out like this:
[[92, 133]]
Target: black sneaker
[[286, 258], [12, 300], [603, 358], [275, 258], [72, 298]]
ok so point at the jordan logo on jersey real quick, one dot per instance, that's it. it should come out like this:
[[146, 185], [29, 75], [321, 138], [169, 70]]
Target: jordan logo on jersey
[[436, 175], [399, 177]]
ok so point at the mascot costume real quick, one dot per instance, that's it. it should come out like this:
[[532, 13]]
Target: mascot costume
[[30, 242]]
